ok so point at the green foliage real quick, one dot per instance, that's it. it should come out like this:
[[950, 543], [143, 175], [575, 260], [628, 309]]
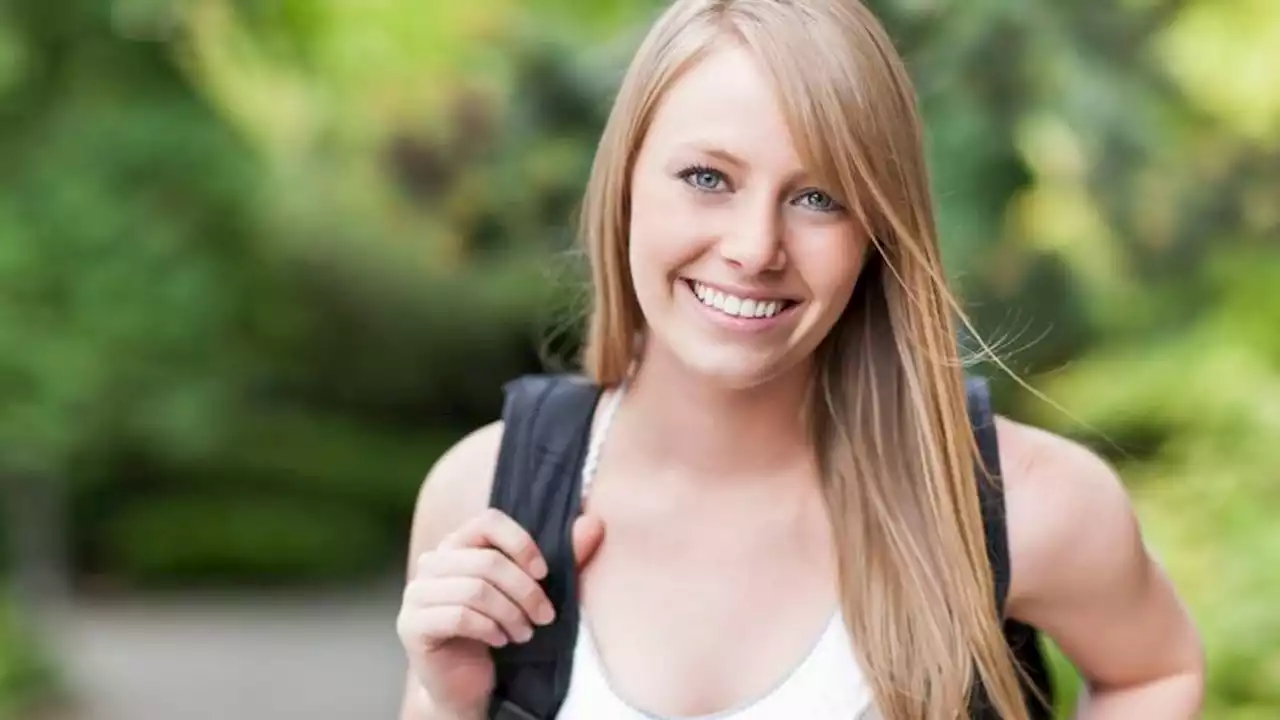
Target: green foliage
[[1065, 679], [1206, 491], [290, 498], [123, 271], [27, 677], [186, 541], [261, 262]]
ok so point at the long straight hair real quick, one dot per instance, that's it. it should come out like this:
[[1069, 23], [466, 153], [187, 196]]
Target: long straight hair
[[888, 411]]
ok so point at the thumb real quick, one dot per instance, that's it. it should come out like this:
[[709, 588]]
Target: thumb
[[588, 532]]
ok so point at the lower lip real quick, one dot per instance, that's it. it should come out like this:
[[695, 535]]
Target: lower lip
[[733, 322]]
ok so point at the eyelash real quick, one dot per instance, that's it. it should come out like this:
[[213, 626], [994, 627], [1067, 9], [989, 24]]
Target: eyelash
[[693, 170]]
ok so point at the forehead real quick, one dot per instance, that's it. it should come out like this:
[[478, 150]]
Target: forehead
[[726, 101]]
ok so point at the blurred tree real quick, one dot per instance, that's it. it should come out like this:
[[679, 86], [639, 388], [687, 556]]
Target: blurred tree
[[125, 206]]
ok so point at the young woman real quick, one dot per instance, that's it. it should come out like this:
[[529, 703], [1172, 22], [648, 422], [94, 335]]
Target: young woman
[[782, 520]]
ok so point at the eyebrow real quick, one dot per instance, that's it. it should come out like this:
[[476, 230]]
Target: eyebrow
[[719, 154]]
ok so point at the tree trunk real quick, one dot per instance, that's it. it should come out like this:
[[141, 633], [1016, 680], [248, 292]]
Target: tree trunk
[[34, 513]]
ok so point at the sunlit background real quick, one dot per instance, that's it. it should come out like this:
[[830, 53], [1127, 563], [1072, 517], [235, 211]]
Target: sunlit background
[[261, 261]]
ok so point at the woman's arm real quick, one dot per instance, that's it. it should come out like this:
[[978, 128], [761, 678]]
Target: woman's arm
[[1082, 574], [456, 488]]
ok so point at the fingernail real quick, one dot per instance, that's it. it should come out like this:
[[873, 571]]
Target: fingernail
[[525, 635], [539, 568], [546, 615]]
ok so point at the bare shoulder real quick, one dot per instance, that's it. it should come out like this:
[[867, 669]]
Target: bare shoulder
[[1082, 574], [1072, 528], [456, 488]]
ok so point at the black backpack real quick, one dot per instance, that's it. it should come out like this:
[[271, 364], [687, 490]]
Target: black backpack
[[538, 483]]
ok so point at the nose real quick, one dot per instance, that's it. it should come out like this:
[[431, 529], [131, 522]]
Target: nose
[[755, 244]]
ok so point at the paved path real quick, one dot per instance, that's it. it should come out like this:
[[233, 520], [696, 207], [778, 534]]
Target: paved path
[[263, 659]]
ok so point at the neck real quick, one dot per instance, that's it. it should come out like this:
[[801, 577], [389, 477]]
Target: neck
[[681, 419]]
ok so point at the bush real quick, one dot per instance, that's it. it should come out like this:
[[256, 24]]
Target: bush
[[314, 480], [182, 541], [27, 680], [290, 499]]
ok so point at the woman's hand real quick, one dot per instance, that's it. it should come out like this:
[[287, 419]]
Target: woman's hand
[[477, 589]]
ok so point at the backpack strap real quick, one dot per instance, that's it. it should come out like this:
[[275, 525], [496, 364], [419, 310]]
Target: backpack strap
[[538, 482], [990, 484], [1022, 639]]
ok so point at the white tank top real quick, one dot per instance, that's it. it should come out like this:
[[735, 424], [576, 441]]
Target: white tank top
[[827, 685]]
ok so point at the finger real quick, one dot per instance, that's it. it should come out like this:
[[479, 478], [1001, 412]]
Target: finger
[[496, 569], [494, 528], [478, 595], [435, 626], [588, 533]]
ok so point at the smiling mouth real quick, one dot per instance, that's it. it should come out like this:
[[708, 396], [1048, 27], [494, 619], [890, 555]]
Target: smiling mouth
[[739, 307]]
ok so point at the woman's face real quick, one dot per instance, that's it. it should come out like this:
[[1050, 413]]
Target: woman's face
[[740, 261]]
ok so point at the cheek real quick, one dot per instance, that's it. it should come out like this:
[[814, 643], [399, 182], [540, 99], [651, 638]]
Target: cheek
[[664, 233], [831, 265]]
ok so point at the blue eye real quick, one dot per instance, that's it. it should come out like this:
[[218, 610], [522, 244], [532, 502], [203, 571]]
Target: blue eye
[[820, 201], [703, 178]]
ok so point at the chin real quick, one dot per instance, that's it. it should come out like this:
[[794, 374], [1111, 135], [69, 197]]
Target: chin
[[731, 368]]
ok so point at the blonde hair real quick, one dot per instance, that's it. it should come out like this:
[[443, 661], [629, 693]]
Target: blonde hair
[[888, 412]]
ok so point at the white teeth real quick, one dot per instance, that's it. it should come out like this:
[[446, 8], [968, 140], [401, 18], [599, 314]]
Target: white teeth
[[736, 306]]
